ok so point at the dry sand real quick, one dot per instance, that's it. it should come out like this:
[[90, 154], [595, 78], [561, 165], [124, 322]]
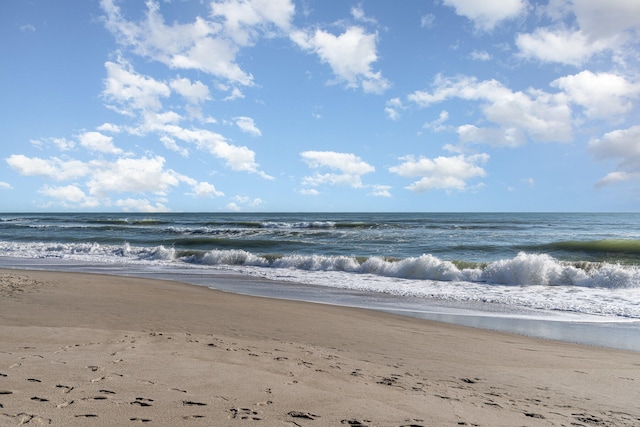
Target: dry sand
[[92, 350]]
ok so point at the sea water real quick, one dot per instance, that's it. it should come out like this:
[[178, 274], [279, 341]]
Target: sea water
[[512, 271]]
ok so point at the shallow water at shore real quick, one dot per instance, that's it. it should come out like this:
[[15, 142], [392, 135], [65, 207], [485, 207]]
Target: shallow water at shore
[[562, 326]]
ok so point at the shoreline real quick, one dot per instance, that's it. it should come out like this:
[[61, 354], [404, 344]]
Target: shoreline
[[622, 335], [89, 349]]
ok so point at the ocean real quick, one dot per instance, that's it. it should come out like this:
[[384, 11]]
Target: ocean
[[570, 276]]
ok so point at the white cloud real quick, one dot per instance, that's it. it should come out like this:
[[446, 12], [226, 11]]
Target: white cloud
[[358, 14], [210, 46], [599, 27], [350, 56], [195, 93], [247, 201], [27, 27], [602, 95], [133, 91], [441, 173], [604, 19], [480, 55], [5, 186], [233, 207], [486, 14], [539, 115], [95, 141], [620, 145], [350, 168], [140, 205], [103, 179], [53, 168], [239, 158], [142, 175], [562, 46], [309, 192], [61, 144], [438, 125], [109, 127], [380, 191], [393, 108], [245, 19], [205, 190], [427, 21], [70, 195], [170, 144], [246, 124]]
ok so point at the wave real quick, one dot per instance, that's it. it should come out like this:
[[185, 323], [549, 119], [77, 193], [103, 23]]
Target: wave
[[619, 246], [525, 269]]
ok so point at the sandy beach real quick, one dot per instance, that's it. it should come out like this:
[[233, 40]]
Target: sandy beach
[[94, 350]]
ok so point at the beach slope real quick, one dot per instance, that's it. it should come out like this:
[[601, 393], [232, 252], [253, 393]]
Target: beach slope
[[93, 350]]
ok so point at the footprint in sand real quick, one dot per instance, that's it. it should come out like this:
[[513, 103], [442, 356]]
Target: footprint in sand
[[142, 401], [65, 404], [141, 420], [23, 419], [354, 423], [303, 415], [192, 403], [244, 414], [65, 388]]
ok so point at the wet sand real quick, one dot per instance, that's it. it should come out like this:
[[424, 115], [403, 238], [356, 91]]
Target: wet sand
[[96, 350]]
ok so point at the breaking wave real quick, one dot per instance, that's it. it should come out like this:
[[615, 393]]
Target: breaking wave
[[525, 269]]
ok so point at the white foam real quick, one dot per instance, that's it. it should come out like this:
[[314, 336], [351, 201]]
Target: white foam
[[536, 281]]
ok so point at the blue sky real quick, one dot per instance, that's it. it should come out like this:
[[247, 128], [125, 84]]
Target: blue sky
[[310, 105]]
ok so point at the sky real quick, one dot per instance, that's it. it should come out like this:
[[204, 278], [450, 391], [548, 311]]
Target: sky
[[319, 105]]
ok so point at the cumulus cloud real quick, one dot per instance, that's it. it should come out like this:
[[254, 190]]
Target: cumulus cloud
[[620, 145], [103, 179], [537, 114], [560, 45], [109, 127], [480, 55], [244, 20], [205, 190], [210, 46], [5, 186], [139, 96], [61, 144], [486, 14], [52, 168], [238, 158], [393, 108], [602, 95], [349, 168], [441, 173], [582, 29], [70, 195], [309, 192], [350, 56], [438, 125], [426, 21], [96, 141], [194, 92], [380, 191], [132, 91], [140, 205], [246, 124], [141, 175]]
